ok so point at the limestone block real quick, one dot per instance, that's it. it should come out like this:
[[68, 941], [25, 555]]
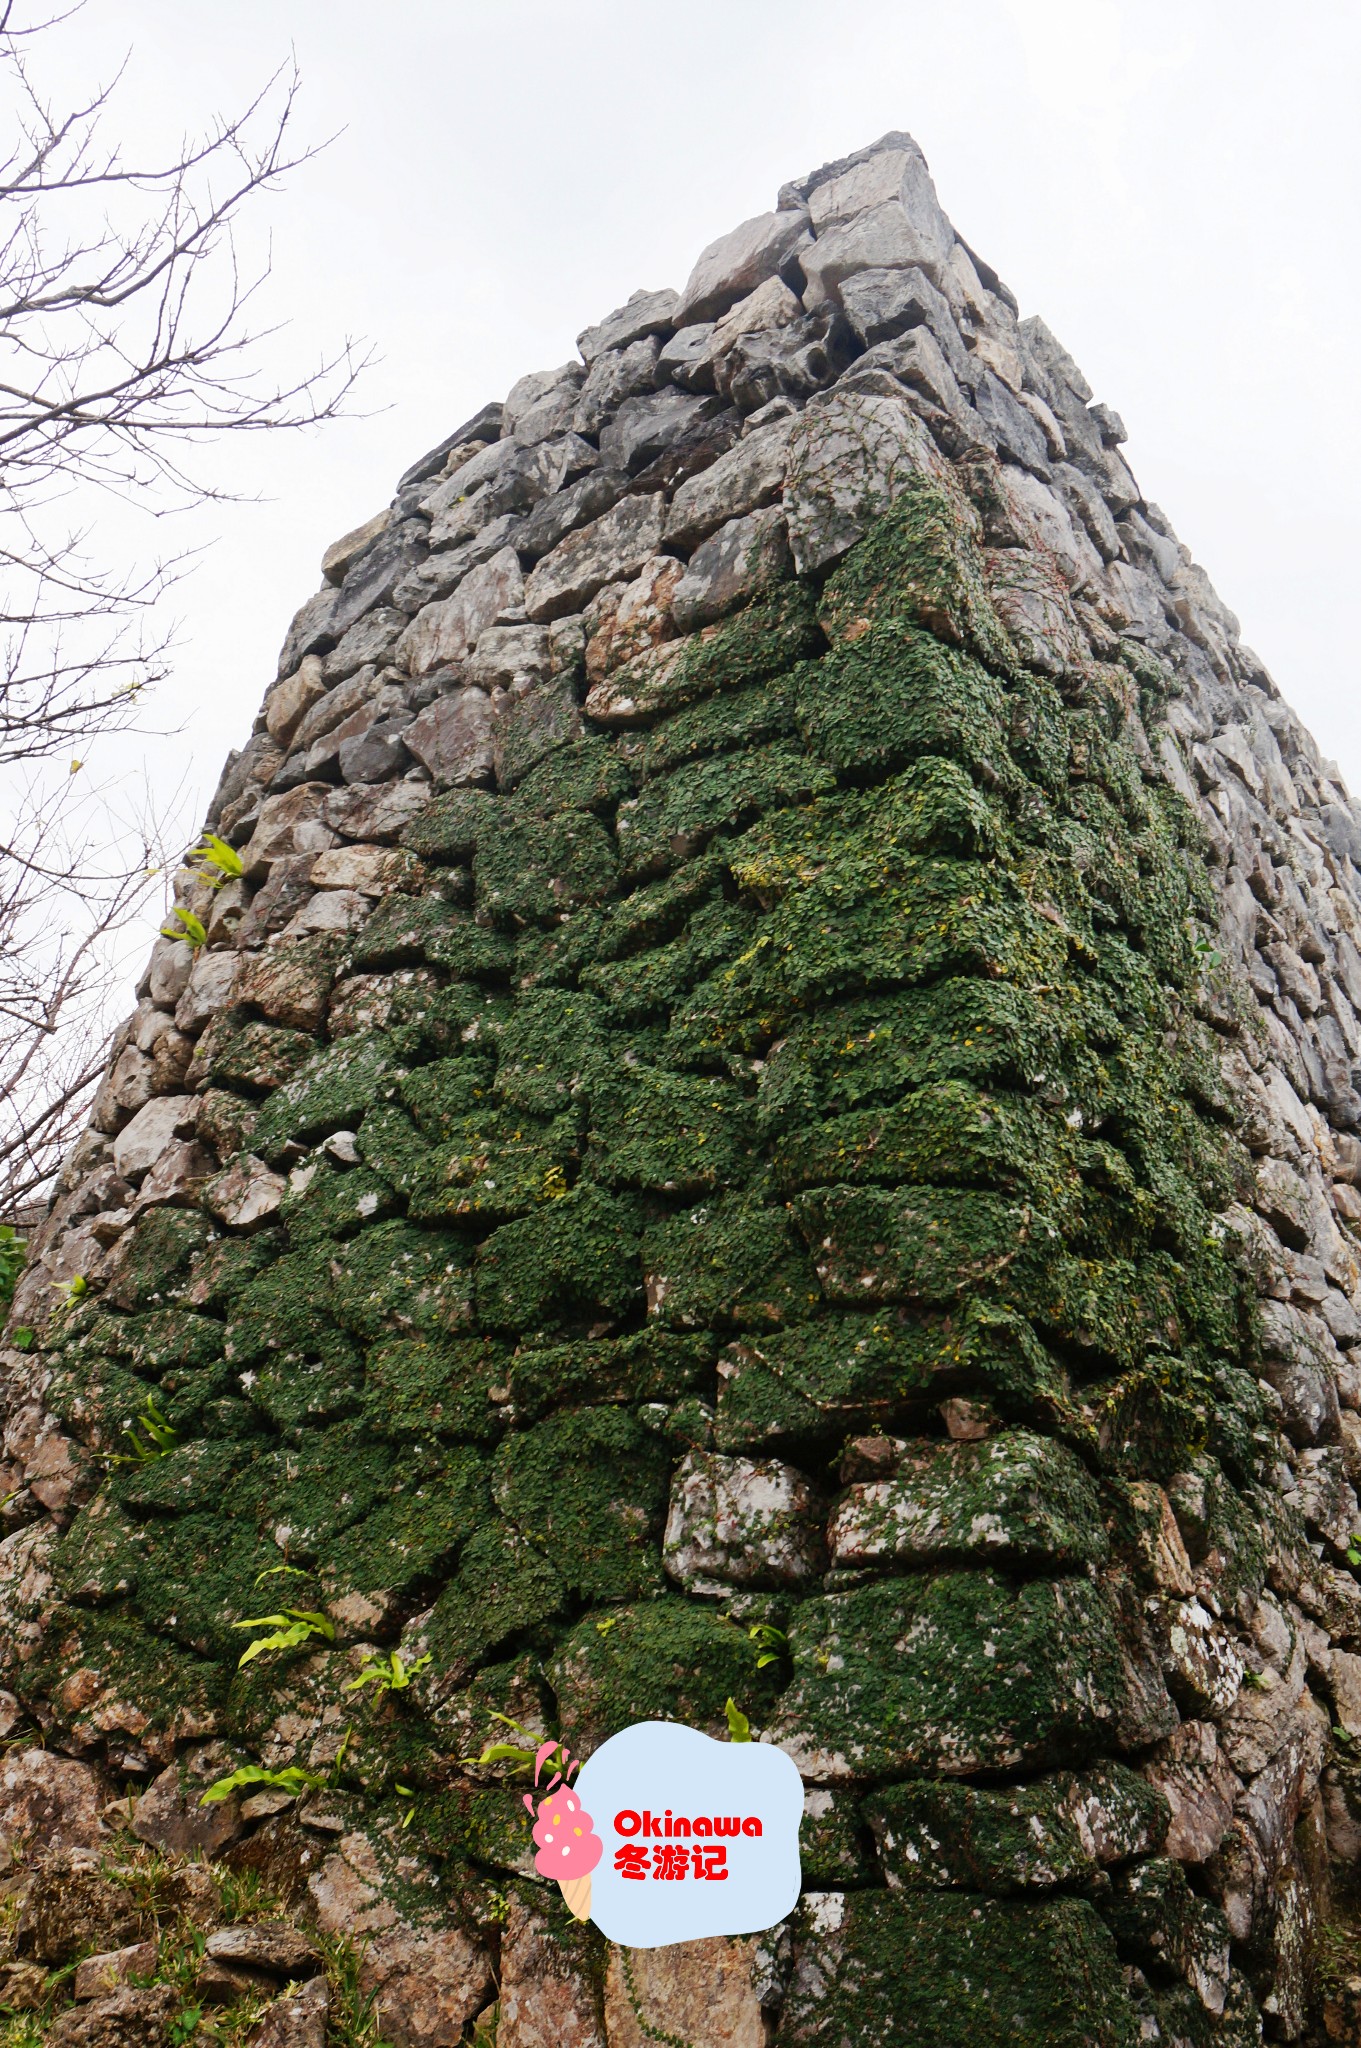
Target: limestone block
[[734, 565], [1200, 1787], [739, 1522], [614, 375], [290, 700], [98, 1976], [49, 1800], [445, 634], [370, 642], [644, 313], [375, 811], [609, 550], [298, 2020], [697, 1990], [1015, 1496], [749, 475], [453, 739], [737, 262], [246, 1195], [849, 454], [1053, 1830], [649, 423], [625, 620], [141, 1142], [547, 1997]]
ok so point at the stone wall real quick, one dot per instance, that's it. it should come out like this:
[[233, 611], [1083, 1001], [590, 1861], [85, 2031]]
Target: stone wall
[[779, 1075]]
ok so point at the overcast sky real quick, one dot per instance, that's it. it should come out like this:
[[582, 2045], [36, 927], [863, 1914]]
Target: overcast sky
[[1171, 184]]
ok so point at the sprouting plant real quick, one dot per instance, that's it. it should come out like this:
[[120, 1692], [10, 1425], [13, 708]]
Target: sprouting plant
[[1208, 955], [512, 1753], [387, 1674], [12, 1256], [406, 1792], [602, 1628], [190, 928], [74, 1290], [771, 1643], [293, 1779], [218, 862], [274, 1571], [485, 2027], [185, 2025], [739, 1727], [1354, 1548], [22, 1338], [287, 1631], [1342, 1735], [160, 1436]]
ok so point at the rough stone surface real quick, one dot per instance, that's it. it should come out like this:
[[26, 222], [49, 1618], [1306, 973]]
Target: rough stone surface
[[773, 1117]]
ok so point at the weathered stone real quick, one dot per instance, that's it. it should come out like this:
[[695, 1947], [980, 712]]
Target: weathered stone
[[736, 1522], [609, 550], [51, 1801], [1016, 1496], [1051, 1831], [541, 404], [1297, 1360], [646, 425], [369, 643], [737, 262], [246, 1195], [699, 1990], [547, 1997], [209, 989], [1201, 1662], [642, 314], [290, 700], [445, 634], [98, 1976], [297, 2020], [133, 2017], [372, 870], [511, 657], [290, 984], [454, 739], [847, 457], [749, 475], [272, 1945], [734, 565], [378, 811], [483, 426], [170, 1814], [427, 1981], [1199, 1786], [141, 1142]]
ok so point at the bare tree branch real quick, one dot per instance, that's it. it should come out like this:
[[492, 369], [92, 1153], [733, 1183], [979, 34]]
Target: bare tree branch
[[129, 346]]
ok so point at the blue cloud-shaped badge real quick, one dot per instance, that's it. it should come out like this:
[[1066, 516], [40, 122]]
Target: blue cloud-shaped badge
[[698, 1837]]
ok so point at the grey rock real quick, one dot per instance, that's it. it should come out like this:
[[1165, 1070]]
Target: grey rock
[[367, 644], [510, 657], [47, 1798], [737, 262], [312, 630], [169, 1814], [172, 963], [297, 2021], [644, 313], [142, 1140], [564, 512], [373, 577], [275, 905], [343, 553], [849, 454], [541, 404], [1015, 433], [742, 1522], [208, 990], [530, 720], [788, 362], [273, 1945], [751, 474], [377, 754], [614, 376], [882, 304], [453, 739], [646, 426], [743, 558], [547, 1998], [483, 426], [446, 633], [609, 550], [886, 237], [700, 445], [439, 575], [377, 811], [688, 357], [131, 2017]]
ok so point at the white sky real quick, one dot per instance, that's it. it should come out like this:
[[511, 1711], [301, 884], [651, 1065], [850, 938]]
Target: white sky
[[1171, 184]]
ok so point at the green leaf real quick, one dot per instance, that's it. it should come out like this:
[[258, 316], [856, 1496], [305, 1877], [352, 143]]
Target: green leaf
[[215, 852], [190, 928], [294, 1780], [739, 1727]]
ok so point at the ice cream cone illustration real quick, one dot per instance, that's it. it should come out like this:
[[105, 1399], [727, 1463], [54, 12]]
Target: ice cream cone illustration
[[567, 1846]]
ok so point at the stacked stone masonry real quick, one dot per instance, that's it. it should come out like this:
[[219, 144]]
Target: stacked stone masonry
[[784, 1057]]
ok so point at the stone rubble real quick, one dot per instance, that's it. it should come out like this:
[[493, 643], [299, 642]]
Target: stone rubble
[[545, 585]]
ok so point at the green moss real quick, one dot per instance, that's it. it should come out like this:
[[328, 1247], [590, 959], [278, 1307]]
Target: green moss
[[719, 725], [676, 1133], [590, 1486], [326, 1202], [448, 827], [423, 1386], [733, 1262], [505, 1586], [677, 814], [940, 1833], [153, 1260], [498, 1165], [530, 869], [332, 1091], [648, 1365], [961, 1672], [573, 1259], [665, 1660], [589, 776], [555, 1049], [932, 1971], [441, 1095]]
